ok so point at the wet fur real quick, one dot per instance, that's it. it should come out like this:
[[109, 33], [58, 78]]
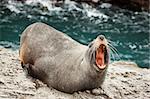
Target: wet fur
[[58, 60]]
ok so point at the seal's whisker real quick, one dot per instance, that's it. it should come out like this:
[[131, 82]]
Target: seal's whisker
[[111, 53], [113, 49], [110, 41], [118, 55]]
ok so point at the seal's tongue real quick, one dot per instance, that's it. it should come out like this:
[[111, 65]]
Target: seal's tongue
[[100, 56]]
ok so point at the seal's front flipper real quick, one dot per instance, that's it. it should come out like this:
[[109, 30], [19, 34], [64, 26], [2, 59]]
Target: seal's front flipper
[[27, 68], [30, 70]]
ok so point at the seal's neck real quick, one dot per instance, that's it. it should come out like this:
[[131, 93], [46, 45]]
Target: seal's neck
[[92, 72]]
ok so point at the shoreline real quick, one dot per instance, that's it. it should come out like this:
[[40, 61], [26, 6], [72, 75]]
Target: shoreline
[[15, 46], [124, 80]]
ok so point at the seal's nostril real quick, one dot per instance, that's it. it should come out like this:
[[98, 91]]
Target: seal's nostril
[[101, 37]]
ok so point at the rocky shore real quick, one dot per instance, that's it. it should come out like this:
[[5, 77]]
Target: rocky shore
[[124, 80]]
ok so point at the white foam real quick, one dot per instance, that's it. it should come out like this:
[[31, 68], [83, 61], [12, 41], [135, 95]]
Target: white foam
[[12, 7], [72, 5], [133, 46], [93, 12], [45, 3], [85, 9], [105, 5], [29, 16]]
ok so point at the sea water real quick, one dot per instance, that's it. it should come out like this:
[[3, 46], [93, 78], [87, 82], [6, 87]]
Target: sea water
[[128, 30]]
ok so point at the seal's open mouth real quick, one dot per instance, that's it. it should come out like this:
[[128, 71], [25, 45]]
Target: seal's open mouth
[[101, 56]]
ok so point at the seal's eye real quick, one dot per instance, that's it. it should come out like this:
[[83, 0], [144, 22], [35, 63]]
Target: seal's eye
[[91, 44]]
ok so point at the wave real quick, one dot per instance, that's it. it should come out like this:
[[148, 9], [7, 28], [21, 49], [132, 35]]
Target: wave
[[92, 12], [48, 7], [7, 44], [13, 6]]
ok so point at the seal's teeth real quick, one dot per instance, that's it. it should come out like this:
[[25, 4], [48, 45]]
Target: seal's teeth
[[104, 47], [102, 67]]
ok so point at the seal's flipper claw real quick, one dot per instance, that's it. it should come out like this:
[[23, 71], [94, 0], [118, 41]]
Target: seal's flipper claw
[[26, 67], [22, 65]]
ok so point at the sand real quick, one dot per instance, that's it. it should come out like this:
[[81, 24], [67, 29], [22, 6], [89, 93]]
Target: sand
[[124, 80]]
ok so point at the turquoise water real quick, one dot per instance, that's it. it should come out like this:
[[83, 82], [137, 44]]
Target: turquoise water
[[128, 30]]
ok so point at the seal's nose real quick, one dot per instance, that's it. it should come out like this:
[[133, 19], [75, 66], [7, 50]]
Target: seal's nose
[[101, 37]]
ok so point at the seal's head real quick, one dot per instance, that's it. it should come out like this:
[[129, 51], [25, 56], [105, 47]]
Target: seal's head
[[98, 53]]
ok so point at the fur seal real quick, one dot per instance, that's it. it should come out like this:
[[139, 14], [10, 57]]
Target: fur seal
[[61, 62]]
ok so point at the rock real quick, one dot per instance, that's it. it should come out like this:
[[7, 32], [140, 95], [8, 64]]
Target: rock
[[124, 80], [135, 5], [2, 81], [98, 91]]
